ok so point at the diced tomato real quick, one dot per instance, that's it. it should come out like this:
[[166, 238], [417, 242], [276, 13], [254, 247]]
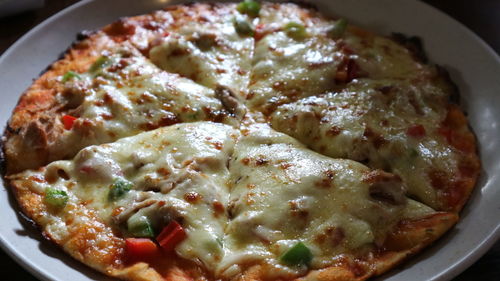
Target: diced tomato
[[171, 235], [141, 248], [68, 121], [416, 131]]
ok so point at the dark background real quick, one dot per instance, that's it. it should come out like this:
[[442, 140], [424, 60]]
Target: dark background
[[481, 16]]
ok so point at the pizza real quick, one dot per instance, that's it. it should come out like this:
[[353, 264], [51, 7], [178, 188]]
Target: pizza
[[241, 141]]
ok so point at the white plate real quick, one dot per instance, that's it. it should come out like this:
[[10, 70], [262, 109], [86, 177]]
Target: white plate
[[472, 64]]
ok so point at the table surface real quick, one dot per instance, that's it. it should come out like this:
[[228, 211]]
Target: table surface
[[481, 16]]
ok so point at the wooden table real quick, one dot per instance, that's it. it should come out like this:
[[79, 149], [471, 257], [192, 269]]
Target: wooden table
[[482, 16]]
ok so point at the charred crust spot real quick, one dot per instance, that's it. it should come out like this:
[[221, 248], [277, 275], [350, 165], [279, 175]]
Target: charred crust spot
[[332, 235], [177, 52], [84, 34], [168, 120], [333, 131], [62, 174], [11, 131], [245, 161], [148, 126], [192, 197], [231, 209], [218, 208], [357, 268], [119, 66], [163, 171], [385, 89], [151, 25], [261, 161], [216, 116], [377, 139], [327, 181], [218, 145], [297, 211], [413, 44], [378, 175]]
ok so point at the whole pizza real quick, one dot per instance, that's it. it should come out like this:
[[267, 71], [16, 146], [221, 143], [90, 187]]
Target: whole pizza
[[241, 141]]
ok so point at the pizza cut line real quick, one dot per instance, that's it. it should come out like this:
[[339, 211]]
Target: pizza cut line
[[241, 141]]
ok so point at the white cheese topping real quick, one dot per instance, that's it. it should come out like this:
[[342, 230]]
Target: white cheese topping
[[282, 193], [178, 172], [125, 94], [369, 121], [211, 53], [285, 68]]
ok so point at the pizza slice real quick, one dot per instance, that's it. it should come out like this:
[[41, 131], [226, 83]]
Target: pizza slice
[[212, 46], [294, 57], [300, 53], [295, 212], [405, 127], [106, 205], [117, 93]]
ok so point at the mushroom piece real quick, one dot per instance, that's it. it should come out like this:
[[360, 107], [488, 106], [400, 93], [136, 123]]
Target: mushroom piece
[[386, 187]]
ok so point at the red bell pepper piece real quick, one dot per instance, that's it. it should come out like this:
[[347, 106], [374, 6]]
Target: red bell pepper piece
[[68, 121], [141, 248], [171, 236]]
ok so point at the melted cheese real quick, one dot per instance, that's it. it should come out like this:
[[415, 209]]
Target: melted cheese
[[285, 69], [129, 95], [369, 120], [381, 57], [211, 52], [178, 172], [283, 193]]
